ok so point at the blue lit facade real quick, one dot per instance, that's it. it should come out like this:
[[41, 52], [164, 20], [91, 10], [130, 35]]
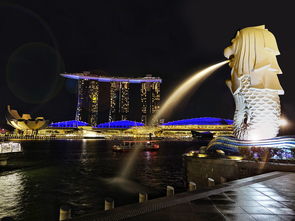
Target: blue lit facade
[[123, 124], [282, 147], [200, 121], [69, 124], [90, 76]]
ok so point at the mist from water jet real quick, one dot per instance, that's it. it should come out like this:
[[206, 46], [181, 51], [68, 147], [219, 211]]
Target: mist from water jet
[[127, 168]]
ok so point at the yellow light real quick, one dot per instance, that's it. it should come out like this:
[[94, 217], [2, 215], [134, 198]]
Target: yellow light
[[220, 152], [235, 157], [201, 155], [191, 153]]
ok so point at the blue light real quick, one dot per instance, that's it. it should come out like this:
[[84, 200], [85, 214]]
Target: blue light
[[69, 124], [282, 147], [123, 124], [200, 121], [78, 76]]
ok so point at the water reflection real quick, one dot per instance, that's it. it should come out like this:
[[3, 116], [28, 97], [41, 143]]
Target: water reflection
[[11, 189], [150, 155], [82, 173], [84, 157]]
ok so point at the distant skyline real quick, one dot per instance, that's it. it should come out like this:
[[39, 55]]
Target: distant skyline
[[168, 39]]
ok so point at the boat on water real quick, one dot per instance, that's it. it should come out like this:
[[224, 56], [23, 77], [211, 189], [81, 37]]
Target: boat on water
[[128, 145]]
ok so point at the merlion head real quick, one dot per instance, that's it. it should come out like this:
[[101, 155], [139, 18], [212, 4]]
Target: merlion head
[[252, 50]]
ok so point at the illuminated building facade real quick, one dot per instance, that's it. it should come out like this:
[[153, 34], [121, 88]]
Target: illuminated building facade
[[25, 122], [150, 100], [184, 128], [122, 124], [216, 126], [87, 107], [88, 96], [119, 101]]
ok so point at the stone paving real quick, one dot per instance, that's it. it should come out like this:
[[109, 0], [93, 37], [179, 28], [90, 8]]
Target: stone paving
[[269, 196], [273, 199]]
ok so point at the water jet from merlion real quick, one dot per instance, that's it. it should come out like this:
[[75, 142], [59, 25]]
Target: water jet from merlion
[[191, 83], [174, 98]]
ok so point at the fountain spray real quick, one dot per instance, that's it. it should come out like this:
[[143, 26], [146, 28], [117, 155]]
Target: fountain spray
[[194, 81]]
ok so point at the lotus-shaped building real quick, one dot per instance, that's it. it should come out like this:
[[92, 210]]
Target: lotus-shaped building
[[24, 122]]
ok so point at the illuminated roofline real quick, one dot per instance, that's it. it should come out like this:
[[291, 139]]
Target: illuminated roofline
[[69, 124], [200, 121], [121, 124], [79, 76]]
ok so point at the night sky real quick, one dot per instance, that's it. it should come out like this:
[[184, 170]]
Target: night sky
[[169, 39]]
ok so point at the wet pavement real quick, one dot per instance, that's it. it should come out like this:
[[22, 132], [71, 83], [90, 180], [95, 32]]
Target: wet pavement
[[272, 199]]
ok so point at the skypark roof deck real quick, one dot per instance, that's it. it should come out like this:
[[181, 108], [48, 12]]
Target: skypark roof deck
[[89, 76]]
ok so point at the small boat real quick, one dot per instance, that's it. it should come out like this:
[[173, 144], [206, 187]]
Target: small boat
[[128, 145]]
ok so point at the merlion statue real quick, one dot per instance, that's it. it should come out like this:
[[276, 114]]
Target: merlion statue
[[254, 83]]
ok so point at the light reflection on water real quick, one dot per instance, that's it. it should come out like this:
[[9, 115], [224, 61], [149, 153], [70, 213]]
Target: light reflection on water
[[11, 189], [82, 173]]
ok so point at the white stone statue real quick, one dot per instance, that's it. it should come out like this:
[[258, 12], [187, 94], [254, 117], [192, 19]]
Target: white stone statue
[[254, 83]]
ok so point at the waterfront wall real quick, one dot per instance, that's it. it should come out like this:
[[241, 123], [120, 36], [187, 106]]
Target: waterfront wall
[[198, 170]]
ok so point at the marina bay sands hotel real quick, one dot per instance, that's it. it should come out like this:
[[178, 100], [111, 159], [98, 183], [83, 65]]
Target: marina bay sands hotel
[[89, 95]]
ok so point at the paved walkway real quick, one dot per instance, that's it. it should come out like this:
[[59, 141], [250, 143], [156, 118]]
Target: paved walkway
[[269, 200], [265, 197]]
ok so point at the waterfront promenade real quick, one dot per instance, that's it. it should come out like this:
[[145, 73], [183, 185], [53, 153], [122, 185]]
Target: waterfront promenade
[[269, 196]]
